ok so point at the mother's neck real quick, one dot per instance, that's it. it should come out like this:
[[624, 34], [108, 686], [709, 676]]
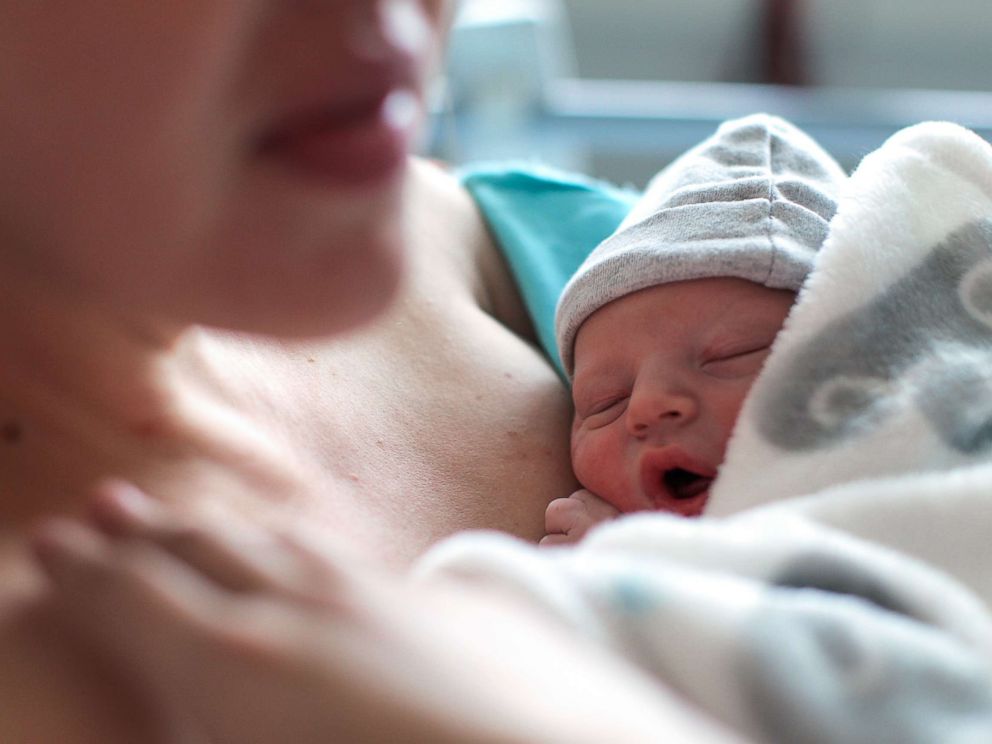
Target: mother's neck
[[87, 392]]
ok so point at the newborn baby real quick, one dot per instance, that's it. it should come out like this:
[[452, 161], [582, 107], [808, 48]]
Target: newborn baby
[[666, 325]]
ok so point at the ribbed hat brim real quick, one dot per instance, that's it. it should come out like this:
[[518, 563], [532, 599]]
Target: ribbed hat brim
[[750, 215]]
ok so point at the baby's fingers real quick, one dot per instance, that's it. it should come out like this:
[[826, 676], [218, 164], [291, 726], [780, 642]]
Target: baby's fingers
[[596, 508], [563, 516], [550, 540], [568, 520]]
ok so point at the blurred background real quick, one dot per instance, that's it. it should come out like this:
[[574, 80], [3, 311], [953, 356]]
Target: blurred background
[[617, 88]]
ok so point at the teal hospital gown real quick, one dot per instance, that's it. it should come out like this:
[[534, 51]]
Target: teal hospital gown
[[545, 222]]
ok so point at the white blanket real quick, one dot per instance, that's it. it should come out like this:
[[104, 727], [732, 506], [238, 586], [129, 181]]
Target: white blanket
[[839, 588]]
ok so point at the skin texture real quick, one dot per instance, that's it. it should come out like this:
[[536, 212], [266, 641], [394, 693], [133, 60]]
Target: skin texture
[[669, 388]]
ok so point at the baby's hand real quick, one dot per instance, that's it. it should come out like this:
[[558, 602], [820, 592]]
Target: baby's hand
[[567, 520]]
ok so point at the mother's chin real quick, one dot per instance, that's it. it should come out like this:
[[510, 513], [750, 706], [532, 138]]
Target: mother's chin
[[331, 291]]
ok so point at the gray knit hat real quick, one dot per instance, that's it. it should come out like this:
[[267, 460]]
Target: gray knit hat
[[752, 201]]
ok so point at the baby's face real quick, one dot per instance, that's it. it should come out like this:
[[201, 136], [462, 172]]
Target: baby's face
[[660, 377]]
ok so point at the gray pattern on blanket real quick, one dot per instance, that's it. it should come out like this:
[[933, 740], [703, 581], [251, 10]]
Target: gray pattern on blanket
[[816, 670], [830, 573], [926, 342], [844, 659]]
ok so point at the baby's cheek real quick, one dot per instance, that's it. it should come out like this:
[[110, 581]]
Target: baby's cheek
[[598, 464], [584, 456]]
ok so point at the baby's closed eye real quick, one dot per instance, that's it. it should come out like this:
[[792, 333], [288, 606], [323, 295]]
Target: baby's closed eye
[[739, 362], [602, 410]]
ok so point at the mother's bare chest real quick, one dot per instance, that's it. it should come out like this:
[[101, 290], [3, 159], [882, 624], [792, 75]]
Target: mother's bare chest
[[432, 423]]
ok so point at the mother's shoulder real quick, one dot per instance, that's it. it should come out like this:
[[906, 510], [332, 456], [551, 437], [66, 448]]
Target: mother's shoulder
[[449, 235]]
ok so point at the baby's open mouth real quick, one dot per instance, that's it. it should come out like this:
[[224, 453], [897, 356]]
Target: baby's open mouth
[[674, 480], [684, 484]]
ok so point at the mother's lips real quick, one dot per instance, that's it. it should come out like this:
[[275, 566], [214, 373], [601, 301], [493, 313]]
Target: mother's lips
[[675, 481], [358, 142]]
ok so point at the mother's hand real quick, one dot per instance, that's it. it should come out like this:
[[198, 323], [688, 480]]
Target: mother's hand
[[243, 635]]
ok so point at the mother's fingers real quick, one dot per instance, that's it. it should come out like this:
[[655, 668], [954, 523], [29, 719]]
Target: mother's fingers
[[128, 597], [130, 575], [204, 655], [231, 552], [145, 604], [124, 617]]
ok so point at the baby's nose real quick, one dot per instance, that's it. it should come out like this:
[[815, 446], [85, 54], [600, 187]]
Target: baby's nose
[[660, 409]]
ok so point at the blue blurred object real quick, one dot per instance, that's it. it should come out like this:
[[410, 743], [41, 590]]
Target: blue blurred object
[[546, 223]]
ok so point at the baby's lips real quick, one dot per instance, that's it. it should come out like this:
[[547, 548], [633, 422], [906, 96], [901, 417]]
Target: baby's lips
[[662, 473]]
